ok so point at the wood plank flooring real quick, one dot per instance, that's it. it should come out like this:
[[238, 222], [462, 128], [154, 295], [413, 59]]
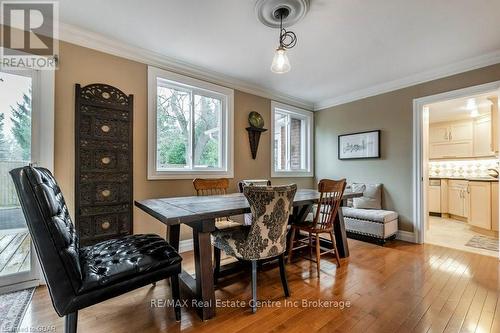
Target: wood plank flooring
[[14, 252], [398, 288]]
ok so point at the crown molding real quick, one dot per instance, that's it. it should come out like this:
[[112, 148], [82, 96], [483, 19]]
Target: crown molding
[[438, 73], [76, 35]]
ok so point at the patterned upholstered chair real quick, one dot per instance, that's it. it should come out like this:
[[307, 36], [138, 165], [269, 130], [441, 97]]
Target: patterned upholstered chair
[[266, 236]]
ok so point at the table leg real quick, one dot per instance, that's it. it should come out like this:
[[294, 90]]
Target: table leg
[[341, 235], [173, 235], [201, 287]]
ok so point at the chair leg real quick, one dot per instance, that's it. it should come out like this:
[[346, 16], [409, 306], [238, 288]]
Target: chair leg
[[318, 253], [174, 281], [310, 246], [217, 255], [254, 286], [290, 246], [284, 282], [70, 322], [334, 244]]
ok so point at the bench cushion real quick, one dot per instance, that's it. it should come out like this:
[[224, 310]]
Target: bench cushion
[[374, 215]]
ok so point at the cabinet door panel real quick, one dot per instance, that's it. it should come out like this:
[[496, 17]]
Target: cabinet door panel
[[451, 150], [480, 204], [494, 206], [438, 134], [482, 137], [435, 199], [455, 201], [461, 131]]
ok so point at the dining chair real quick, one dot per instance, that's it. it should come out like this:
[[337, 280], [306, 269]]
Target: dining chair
[[320, 221], [266, 237], [247, 218], [77, 276]]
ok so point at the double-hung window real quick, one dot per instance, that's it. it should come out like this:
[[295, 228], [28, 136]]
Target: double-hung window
[[292, 141], [190, 127]]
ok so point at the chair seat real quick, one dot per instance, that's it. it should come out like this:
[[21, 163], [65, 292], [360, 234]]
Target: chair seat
[[116, 260]]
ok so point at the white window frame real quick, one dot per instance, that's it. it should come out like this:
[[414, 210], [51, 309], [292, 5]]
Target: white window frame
[[207, 89], [308, 117]]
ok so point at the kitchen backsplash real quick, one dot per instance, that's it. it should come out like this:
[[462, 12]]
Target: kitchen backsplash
[[471, 168]]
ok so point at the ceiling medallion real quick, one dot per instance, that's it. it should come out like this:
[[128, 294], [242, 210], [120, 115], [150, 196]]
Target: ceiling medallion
[[282, 14]]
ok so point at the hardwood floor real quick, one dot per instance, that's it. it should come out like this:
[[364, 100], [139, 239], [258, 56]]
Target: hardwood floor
[[398, 288]]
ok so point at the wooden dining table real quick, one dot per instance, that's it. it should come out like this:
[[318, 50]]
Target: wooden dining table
[[200, 212]]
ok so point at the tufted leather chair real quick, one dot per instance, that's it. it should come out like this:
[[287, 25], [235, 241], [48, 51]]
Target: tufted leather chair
[[78, 277]]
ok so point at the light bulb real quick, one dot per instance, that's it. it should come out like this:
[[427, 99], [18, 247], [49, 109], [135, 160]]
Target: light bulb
[[280, 64]]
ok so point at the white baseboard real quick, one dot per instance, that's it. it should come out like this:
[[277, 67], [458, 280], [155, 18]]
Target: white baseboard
[[185, 245], [406, 236]]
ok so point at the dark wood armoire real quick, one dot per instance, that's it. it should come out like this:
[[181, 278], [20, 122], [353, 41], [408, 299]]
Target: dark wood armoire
[[103, 165]]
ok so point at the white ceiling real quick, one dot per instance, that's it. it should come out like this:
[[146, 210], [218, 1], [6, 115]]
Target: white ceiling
[[346, 49], [456, 109]]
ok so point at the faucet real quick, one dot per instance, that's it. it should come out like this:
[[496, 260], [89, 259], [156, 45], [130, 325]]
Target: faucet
[[495, 171]]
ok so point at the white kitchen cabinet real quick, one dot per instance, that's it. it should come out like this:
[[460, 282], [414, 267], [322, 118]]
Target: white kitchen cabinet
[[451, 150], [434, 199], [494, 206], [460, 131], [480, 204], [451, 139], [458, 198], [483, 145], [438, 133]]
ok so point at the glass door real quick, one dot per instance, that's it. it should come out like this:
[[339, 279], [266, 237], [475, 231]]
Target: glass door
[[16, 149]]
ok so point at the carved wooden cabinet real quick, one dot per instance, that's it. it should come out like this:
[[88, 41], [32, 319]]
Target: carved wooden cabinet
[[103, 167]]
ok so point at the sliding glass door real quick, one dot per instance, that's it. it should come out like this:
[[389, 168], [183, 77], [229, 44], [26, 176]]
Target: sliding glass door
[[17, 148]]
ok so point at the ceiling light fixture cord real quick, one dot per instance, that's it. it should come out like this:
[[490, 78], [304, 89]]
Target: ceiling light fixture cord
[[288, 39]]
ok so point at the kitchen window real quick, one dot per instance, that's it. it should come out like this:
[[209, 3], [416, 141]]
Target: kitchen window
[[190, 127], [292, 143]]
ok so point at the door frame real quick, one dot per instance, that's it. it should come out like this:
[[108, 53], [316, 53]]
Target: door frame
[[42, 143], [420, 148]]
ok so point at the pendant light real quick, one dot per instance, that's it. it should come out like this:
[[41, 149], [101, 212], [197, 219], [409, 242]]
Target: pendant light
[[287, 40]]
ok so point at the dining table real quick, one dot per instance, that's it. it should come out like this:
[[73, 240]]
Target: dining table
[[200, 212]]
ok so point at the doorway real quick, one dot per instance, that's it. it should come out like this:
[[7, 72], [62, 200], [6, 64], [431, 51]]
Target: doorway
[[25, 115], [456, 169]]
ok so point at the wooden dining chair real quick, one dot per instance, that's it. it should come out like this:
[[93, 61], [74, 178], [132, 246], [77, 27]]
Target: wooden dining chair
[[217, 186], [320, 221]]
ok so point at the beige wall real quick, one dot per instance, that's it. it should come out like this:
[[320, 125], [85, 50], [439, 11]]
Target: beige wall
[[391, 113], [85, 66]]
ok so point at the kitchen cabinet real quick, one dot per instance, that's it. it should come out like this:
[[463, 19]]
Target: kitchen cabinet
[[483, 144], [494, 123], [434, 199], [480, 204], [463, 138], [451, 139], [458, 198], [494, 206]]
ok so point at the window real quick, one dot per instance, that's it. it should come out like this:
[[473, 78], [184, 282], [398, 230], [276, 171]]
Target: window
[[292, 141], [190, 128]]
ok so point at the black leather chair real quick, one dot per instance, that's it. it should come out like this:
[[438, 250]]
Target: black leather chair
[[78, 277]]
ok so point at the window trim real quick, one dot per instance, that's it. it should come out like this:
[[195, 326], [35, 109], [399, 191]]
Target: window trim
[[309, 117], [209, 89]]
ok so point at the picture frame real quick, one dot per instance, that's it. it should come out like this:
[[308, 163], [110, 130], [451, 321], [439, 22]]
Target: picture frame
[[361, 145]]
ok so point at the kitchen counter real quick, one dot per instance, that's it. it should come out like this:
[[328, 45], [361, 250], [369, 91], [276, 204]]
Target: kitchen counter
[[471, 179]]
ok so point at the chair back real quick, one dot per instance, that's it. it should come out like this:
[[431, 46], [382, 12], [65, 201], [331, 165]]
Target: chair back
[[52, 232], [331, 192], [270, 206], [217, 186], [251, 182]]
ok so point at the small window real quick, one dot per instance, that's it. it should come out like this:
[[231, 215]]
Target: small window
[[190, 127], [292, 141]]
